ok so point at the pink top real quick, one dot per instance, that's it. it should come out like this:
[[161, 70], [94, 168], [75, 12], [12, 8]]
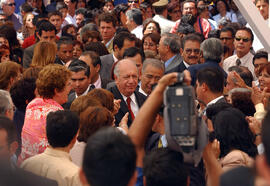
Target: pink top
[[34, 140], [205, 25]]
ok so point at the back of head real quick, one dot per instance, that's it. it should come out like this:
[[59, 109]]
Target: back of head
[[233, 132], [44, 54], [61, 128], [8, 70], [81, 103], [92, 120], [213, 78], [172, 41], [103, 96], [212, 49], [163, 166], [135, 15], [109, 158], [5, 102], [97, 47], [47, 27]]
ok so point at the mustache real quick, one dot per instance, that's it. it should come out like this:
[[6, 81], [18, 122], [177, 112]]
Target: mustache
[[193, 57]]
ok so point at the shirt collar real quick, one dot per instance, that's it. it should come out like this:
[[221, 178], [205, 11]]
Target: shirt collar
[[186, 64], [142, 91], [109, 42], [98, 82], [85, 92], [132, 97], [168, 62], [57, 153], [114, 58], [214, 100]]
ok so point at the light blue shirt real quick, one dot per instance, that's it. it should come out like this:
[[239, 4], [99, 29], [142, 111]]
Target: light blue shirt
[[168, 62]]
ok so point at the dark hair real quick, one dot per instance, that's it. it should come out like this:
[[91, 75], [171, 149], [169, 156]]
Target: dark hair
[[107, 17], [11, 35], [94, 57], [9, 126], [247, 30], [22, 91], [244, 73], [148, 21], [55, 13], [109, 158], [242, 101], [213, 78], [265, 136], [260, 54], [97, 47], [25, 7], [65, 29], [228, 29], [266, 1], [226, 4], [61, 127], [190, 37], [160, 9], [81, 11], [121, 37], [47, 27], [154, 37], [118, 9], [78, 65], [132, 52], [232, 131], [90, 34], [92, 120], [64, 40], [163, 166], [213, 109], [188, 1], [214, 34], [185, 28]]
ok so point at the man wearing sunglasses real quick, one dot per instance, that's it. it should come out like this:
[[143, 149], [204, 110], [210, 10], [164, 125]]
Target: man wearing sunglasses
[[8, 7], [242, 43]]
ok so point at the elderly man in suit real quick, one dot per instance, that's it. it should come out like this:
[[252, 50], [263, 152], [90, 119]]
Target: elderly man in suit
[[169, 51], [126, 80]]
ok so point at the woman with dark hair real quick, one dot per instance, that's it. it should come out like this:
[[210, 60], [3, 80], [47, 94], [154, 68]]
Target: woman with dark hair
[[264, 78], [68, 30], [151, 26], [236, 140], [77, 49], [224, 11], [150, 42]]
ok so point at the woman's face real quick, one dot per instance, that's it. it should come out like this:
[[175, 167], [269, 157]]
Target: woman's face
[[29, 21], [221, 7], [264, 80], [149, 44], [175, 14], [123, 19], [63, 95], [77, 51], [150, 28]]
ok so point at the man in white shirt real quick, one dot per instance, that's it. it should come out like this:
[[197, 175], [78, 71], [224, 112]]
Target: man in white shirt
[[55, 162], [242, 43], [134, 22]]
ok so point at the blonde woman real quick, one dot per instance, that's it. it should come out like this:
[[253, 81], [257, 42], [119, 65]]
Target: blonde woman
[[44, 54]]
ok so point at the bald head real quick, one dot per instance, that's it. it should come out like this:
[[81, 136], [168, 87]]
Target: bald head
[[126, 77]]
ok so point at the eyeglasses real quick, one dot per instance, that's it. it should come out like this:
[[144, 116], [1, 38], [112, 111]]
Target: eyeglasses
[[225, 38], [11, 4], [243, 39], [189, 51]]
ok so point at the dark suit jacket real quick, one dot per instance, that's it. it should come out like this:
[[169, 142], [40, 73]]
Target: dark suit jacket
[[193, 69], [28, 55], [140, 98], [106, 66], [175, 65], [71, 98], [104, 82], [58, 61]]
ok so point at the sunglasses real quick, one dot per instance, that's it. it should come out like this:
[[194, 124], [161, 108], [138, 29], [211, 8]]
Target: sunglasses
[[11, 4], [133, 1], [244, 39]]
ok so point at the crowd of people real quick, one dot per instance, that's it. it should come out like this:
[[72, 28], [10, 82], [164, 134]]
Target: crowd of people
[[82, 86]]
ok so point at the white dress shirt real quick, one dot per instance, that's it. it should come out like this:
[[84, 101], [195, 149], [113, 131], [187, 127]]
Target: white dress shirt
[[133, 104], [246, 61], [138, 31], [98, 82]]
